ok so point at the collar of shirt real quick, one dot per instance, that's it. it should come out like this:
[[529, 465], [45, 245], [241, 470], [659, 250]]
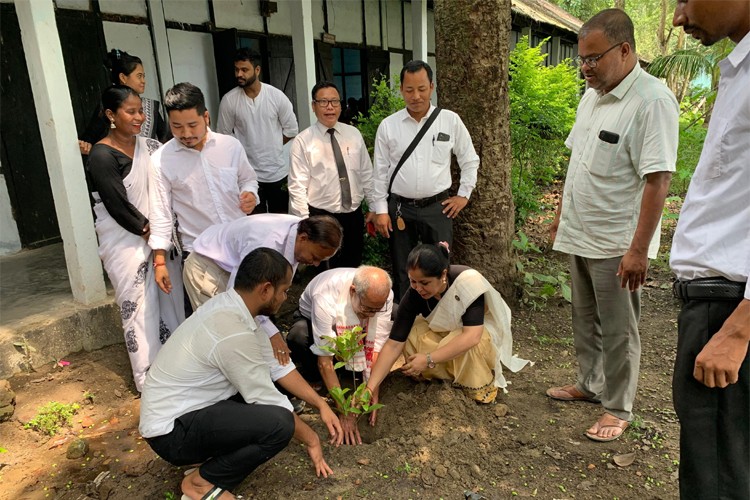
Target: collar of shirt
[[406, 116], [739, 53], [210, 139], [324, 130], [246, 316], [627, 82]]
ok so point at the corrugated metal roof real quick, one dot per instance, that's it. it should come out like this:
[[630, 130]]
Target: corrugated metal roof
[[546, 12]]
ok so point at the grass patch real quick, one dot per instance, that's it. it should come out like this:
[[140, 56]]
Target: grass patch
[[52, 416]]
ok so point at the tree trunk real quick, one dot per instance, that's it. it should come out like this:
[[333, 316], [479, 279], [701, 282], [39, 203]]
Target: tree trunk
[[471, 49]]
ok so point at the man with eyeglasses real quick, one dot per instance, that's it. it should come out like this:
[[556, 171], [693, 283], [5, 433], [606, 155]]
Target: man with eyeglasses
[[261, 117], [331, 173], [623, 152], [334, 301]]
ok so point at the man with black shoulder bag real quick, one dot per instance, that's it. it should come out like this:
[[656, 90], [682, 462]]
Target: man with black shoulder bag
[[412, 174]]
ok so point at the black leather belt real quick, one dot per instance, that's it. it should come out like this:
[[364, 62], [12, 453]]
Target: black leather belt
[[421, 202], [708, 289]]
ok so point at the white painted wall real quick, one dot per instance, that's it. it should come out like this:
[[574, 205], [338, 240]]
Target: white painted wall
[[280, 23], [372, 22], [317, 18], [135, 39], [345, 20], [396, 63], [193, 61], [188, 11], [240, 14], [9, 239], [394, 24], [124, 7], [73, 4]]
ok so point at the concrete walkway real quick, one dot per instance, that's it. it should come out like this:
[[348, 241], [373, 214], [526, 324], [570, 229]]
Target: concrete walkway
[[39, 320]]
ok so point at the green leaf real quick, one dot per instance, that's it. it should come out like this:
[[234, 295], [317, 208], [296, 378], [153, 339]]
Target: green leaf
[[339, 365], [565, 290]]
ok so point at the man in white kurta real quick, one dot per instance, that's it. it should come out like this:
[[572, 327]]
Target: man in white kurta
[[261, 117], [623, 150]]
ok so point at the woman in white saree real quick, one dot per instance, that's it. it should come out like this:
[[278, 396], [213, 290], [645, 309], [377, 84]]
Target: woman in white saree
[[117, 171], [451, 325]]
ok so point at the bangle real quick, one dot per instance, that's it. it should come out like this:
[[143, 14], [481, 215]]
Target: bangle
[[157, 264]]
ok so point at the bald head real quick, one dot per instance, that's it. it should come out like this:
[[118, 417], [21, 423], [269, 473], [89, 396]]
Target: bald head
[[614, 23], [372, 282]]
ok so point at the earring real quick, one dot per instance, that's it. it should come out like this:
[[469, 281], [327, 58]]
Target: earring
[[112, 124]]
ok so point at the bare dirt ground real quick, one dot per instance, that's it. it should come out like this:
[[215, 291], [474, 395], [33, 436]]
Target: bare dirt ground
[[430, 441]]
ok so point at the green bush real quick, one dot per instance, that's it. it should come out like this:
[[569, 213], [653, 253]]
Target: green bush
[[543, 102], [386, 100]]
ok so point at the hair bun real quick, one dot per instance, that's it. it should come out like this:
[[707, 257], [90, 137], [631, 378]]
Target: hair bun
[[444, 244]]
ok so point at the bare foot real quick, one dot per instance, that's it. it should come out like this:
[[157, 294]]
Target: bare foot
[[607, 428]]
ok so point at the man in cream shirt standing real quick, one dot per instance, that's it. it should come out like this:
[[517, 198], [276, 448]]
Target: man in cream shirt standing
[[623, 151], [331, 173], [262, 119], [413, 203]]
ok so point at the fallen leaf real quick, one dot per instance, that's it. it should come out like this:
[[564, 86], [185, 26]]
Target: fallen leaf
[[363, 461], [625, 459]]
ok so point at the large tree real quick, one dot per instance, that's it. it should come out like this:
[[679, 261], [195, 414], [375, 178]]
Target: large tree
[[471, 48]]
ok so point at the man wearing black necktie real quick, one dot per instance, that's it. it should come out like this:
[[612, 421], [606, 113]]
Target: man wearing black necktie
[[331, 173]]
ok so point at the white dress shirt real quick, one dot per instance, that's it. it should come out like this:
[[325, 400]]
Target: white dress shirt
[[227, 244], [201, 188], [314, 176], [712, 238], [427, 171], [322, 300], [605, 182], [260, 124], [214, 354]]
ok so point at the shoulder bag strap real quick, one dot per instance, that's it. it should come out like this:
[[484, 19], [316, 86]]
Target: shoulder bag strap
[[413, 145]]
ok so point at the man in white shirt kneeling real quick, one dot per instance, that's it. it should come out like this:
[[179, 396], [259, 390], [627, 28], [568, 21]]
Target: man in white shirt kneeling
[[210, 397], [338, 300]]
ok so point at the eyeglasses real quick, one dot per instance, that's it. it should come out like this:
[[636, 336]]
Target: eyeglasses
[[324, 103], [592, 61], [367, 309]]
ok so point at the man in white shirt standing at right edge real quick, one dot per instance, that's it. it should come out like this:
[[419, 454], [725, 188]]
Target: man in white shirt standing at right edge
[[411, 189], [711, 258], [261, 117]]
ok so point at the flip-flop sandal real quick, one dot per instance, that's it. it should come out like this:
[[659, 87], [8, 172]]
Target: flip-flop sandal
[[212, 494], [569, 393], [621, 424]]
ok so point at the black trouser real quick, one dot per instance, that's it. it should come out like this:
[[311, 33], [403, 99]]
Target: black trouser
[[350, 253], [714, 423], [185, 298], [274, 198], [299, 339], [232, 437], [423, 225]]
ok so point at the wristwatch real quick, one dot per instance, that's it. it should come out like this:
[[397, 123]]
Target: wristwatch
[[430, 362]]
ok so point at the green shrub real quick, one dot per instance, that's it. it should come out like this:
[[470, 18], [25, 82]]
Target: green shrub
[[51, 417], [543, 102]]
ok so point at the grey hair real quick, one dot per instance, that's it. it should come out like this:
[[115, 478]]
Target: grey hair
[[614, 23], [363, 281]]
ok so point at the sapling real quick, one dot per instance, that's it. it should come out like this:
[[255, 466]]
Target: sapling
[[344, 347]]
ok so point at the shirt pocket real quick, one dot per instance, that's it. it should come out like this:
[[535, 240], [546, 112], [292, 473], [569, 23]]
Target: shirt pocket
[[602, 158], [441, 152]]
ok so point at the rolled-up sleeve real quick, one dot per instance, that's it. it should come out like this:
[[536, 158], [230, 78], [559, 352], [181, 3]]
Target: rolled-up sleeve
[[160, 206]]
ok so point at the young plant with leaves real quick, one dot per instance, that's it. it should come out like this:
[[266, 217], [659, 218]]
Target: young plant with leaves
[[344, 347]]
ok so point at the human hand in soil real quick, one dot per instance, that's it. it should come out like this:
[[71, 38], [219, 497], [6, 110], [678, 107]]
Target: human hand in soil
[[718, 364], [415, 365], [316, 455], [350, 428], [374, 400], [280, 349], [335, 431]]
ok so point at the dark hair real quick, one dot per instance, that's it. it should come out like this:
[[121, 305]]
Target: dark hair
[[415, 67], [431, 259], [325, 84], [322, 230], [119, 61], [245, 54], [262, 265], [114, 96], [614, 23], [184, 96]]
